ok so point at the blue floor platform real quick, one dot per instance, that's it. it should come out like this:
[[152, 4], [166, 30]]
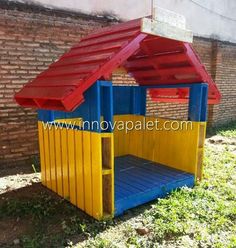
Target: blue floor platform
[[138, 181]]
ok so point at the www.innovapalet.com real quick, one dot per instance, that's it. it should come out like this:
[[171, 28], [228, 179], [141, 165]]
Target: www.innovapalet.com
[[138, 125]]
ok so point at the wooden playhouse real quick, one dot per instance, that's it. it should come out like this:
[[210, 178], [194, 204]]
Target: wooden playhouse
[[104, 170]]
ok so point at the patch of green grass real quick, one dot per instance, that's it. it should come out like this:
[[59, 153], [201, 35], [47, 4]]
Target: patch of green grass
[[44, 212], [226, 130], [38, 207]]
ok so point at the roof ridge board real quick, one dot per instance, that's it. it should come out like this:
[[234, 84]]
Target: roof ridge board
[[54, 82], [82, 60], [93, 49], [107, 35], [106, 39], [114, 29], [54, 71]]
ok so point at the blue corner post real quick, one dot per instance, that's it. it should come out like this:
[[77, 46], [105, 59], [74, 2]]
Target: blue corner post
[[107, 104], [198, 97]]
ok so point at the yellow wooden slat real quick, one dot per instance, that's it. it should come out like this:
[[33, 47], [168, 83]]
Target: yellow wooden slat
[[116, 134], [52, 159], [41, 149], [71, 121], [96, 162], [47, 158], [65, 170], [126, 138], [58, 155], [87, 173], [134, 138], [122, 138], [79, 168], [200, 155], [71, 163], [139, 133], [112, 176], [108, 178], [148, 141]]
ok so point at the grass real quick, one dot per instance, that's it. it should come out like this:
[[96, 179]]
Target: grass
[[226, 130], [204, 216]]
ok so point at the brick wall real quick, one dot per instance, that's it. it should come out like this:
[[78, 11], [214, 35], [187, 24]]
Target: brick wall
[[225, 77], [29, 42], [30, 39]]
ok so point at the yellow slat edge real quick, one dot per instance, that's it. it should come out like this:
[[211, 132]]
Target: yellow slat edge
[[87, 173], [52, 159], [65, 171], [96, 162], [47, 158], [79, 168], [112, 175], [58, 154], [71, 164], [41, 149]]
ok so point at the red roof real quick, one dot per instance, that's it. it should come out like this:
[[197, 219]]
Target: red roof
[[151, 60]]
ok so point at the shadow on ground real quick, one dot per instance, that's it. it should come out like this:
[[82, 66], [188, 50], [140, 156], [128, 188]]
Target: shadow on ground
[[34, 216]]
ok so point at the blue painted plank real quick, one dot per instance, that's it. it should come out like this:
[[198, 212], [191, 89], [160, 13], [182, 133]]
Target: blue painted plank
[[144, 181]]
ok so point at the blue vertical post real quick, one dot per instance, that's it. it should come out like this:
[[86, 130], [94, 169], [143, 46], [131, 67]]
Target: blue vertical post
[[198, 102], [138, 99], [204, 110], [45, 115], [107, 104], [94, 99], [143, 100]]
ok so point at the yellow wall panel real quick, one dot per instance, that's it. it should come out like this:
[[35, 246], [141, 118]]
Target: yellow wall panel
[[178, 149], [74, 167], [42, 155]]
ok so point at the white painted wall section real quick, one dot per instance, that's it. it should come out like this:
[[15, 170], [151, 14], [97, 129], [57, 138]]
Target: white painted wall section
[[207, 18]]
